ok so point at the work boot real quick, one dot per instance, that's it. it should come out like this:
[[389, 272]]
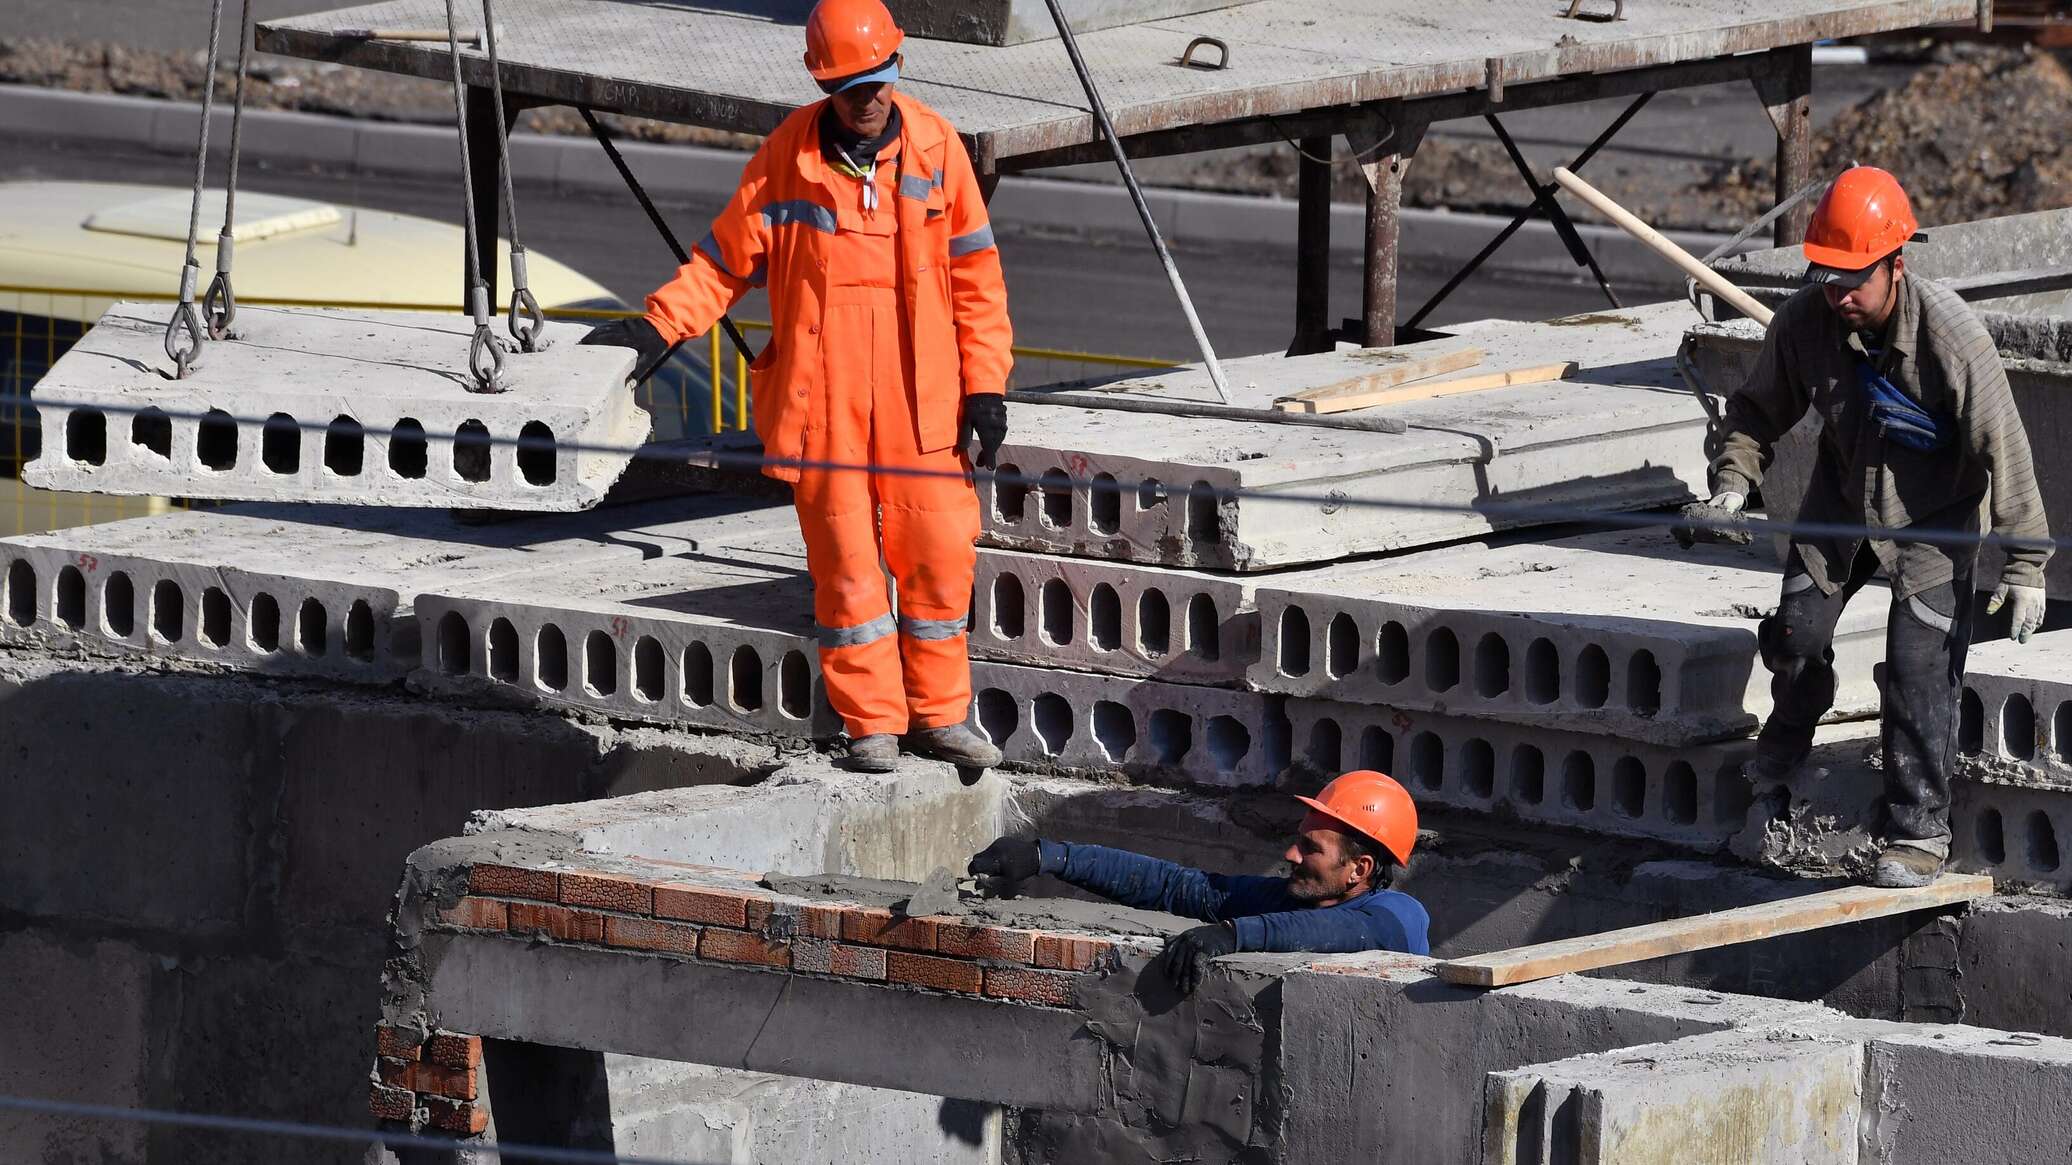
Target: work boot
[[956, 744], [1904, 865], [876, 753]]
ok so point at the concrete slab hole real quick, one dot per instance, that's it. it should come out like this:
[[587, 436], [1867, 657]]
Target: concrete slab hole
[[1392, 653], [312, 629], [1528, 775], [2042, 843], [600, 665], [1057, 499], [1971, 724], [21, 593], [1051, 716], [1294, 641], [1377, 749], [215, 617], [1155, 625], [1442, 659], [997, 715], [550, 659], [1579, 781], [648, 667], [1054, 608], [697, 676], [1542, 672], [538, 455], [1593, 677], [1151, 494], [455, 657], [1115, 730], [409, 455], [345, 447], [1171, 735], [118, 605], [1010, 495], [471, 451], [1428, 760], [1629, 787], [1204, 627], [215, 441], [263, 624], [1104, 618], [168, 612], [794, 685], [1229, 741], [1991, 837], [1492, 666], [152, 430], [86, 436], [1680, 794], [1009, 619], [503, 651], [1644, 683], [2061, 731], [2018, 727], [1326, 749], [745, 680], [359, 631], [1478, 768], [1341, 646], [1104, 505], [280, 444], [70, 600], [1203, 524]]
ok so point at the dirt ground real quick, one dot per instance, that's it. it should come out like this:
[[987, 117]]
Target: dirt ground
[[1978, 130]]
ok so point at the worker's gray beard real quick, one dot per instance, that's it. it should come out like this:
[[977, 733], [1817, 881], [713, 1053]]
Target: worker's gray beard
[[1305, 889]]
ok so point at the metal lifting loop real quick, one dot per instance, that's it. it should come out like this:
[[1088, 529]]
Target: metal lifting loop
[[486, 352], [186, 357], [220, 304], [185, 324], [527, 324]]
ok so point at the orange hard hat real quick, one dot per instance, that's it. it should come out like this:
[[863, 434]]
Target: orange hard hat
[[1863, 217], [1371, 804], [847, 37]]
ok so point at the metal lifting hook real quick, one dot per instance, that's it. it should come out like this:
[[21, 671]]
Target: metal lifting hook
[[528, 324], [184, 357], [486, 355]]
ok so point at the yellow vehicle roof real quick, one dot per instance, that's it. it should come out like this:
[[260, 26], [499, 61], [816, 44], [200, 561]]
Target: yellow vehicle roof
[[125, 241]]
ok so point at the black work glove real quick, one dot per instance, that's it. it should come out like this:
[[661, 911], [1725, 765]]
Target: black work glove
[[636, 333], [1186, 956], [1003, 866], [985, 416]]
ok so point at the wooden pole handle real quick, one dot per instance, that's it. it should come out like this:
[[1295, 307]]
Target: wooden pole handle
[[1624, 219]]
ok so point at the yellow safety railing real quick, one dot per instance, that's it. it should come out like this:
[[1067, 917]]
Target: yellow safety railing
[[35, 330]]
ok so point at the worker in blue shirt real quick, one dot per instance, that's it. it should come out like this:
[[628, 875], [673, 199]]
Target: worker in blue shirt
[[1335, 898]]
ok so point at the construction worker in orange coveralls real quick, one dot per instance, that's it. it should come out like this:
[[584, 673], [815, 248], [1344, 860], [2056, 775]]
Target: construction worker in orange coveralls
[[890, 348]]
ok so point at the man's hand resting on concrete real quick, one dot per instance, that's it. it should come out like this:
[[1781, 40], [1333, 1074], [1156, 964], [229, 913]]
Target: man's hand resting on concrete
[[1003, 866], [1186, 957], [2029, 604]]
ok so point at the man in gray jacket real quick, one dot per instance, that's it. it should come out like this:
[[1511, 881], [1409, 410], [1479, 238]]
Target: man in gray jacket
[[1919, 429]]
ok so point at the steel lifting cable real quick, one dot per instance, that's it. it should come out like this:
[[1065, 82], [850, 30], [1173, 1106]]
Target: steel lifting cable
[[530, 332], [486, 351], [220, 304], [186, 318]]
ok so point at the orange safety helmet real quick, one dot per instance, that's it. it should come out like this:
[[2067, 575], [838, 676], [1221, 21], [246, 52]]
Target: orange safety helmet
[[1371, 804], [1863, 217], [847, 37]]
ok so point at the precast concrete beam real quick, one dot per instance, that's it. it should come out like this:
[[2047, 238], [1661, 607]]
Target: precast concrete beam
[[353, 407], [1618, 633], [1623, 433]]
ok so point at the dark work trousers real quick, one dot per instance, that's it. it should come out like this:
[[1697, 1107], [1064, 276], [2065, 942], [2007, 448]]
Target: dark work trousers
[[1925, 641]]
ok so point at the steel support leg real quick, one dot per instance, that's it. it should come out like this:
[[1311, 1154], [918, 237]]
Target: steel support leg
[[484, 131], [1384, 144], [1313, 247], [1787, 96]]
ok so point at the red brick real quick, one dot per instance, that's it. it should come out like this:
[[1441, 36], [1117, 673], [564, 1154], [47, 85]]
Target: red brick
[[457, 1116], [432, 1079], [985, 942], [512, 882], [706, 904], [738, 946], [454, 1050], [397, 1043], [1065, 953], [391, 1104], [859, 963], [557, 922], [607, 892], [929, 971], [476, 914], [645, 934], [1048, 988], [880, 928], [813, 956]]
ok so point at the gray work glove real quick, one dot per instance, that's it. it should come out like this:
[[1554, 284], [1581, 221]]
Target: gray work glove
[[985, 417], [2027, 614]]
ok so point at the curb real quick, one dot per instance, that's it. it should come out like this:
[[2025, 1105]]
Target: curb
[[571, 165]]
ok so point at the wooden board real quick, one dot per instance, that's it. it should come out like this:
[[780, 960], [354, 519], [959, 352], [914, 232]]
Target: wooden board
[[1403, 368], [1337, 399], [1705, 931]]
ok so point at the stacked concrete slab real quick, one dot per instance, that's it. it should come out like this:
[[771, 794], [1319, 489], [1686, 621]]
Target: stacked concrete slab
[[352, 407], [2014, 744]]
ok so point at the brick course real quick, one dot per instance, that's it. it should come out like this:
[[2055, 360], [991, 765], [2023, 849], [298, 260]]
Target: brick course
[[607, 892], [397, 1043], [931, 971], [701, 904], [648, 935], [453, 1050], [557, 922], [1066, 953], [739, 946], [513, 882], [881, 928], [986, 942], [1044, 988], [477, 914]]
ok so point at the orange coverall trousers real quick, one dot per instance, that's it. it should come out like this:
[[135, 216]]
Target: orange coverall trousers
[[884, 673]]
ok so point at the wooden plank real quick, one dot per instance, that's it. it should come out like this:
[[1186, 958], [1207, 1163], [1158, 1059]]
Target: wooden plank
[[1704, 931], [1345, 402], [1399, 368]]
